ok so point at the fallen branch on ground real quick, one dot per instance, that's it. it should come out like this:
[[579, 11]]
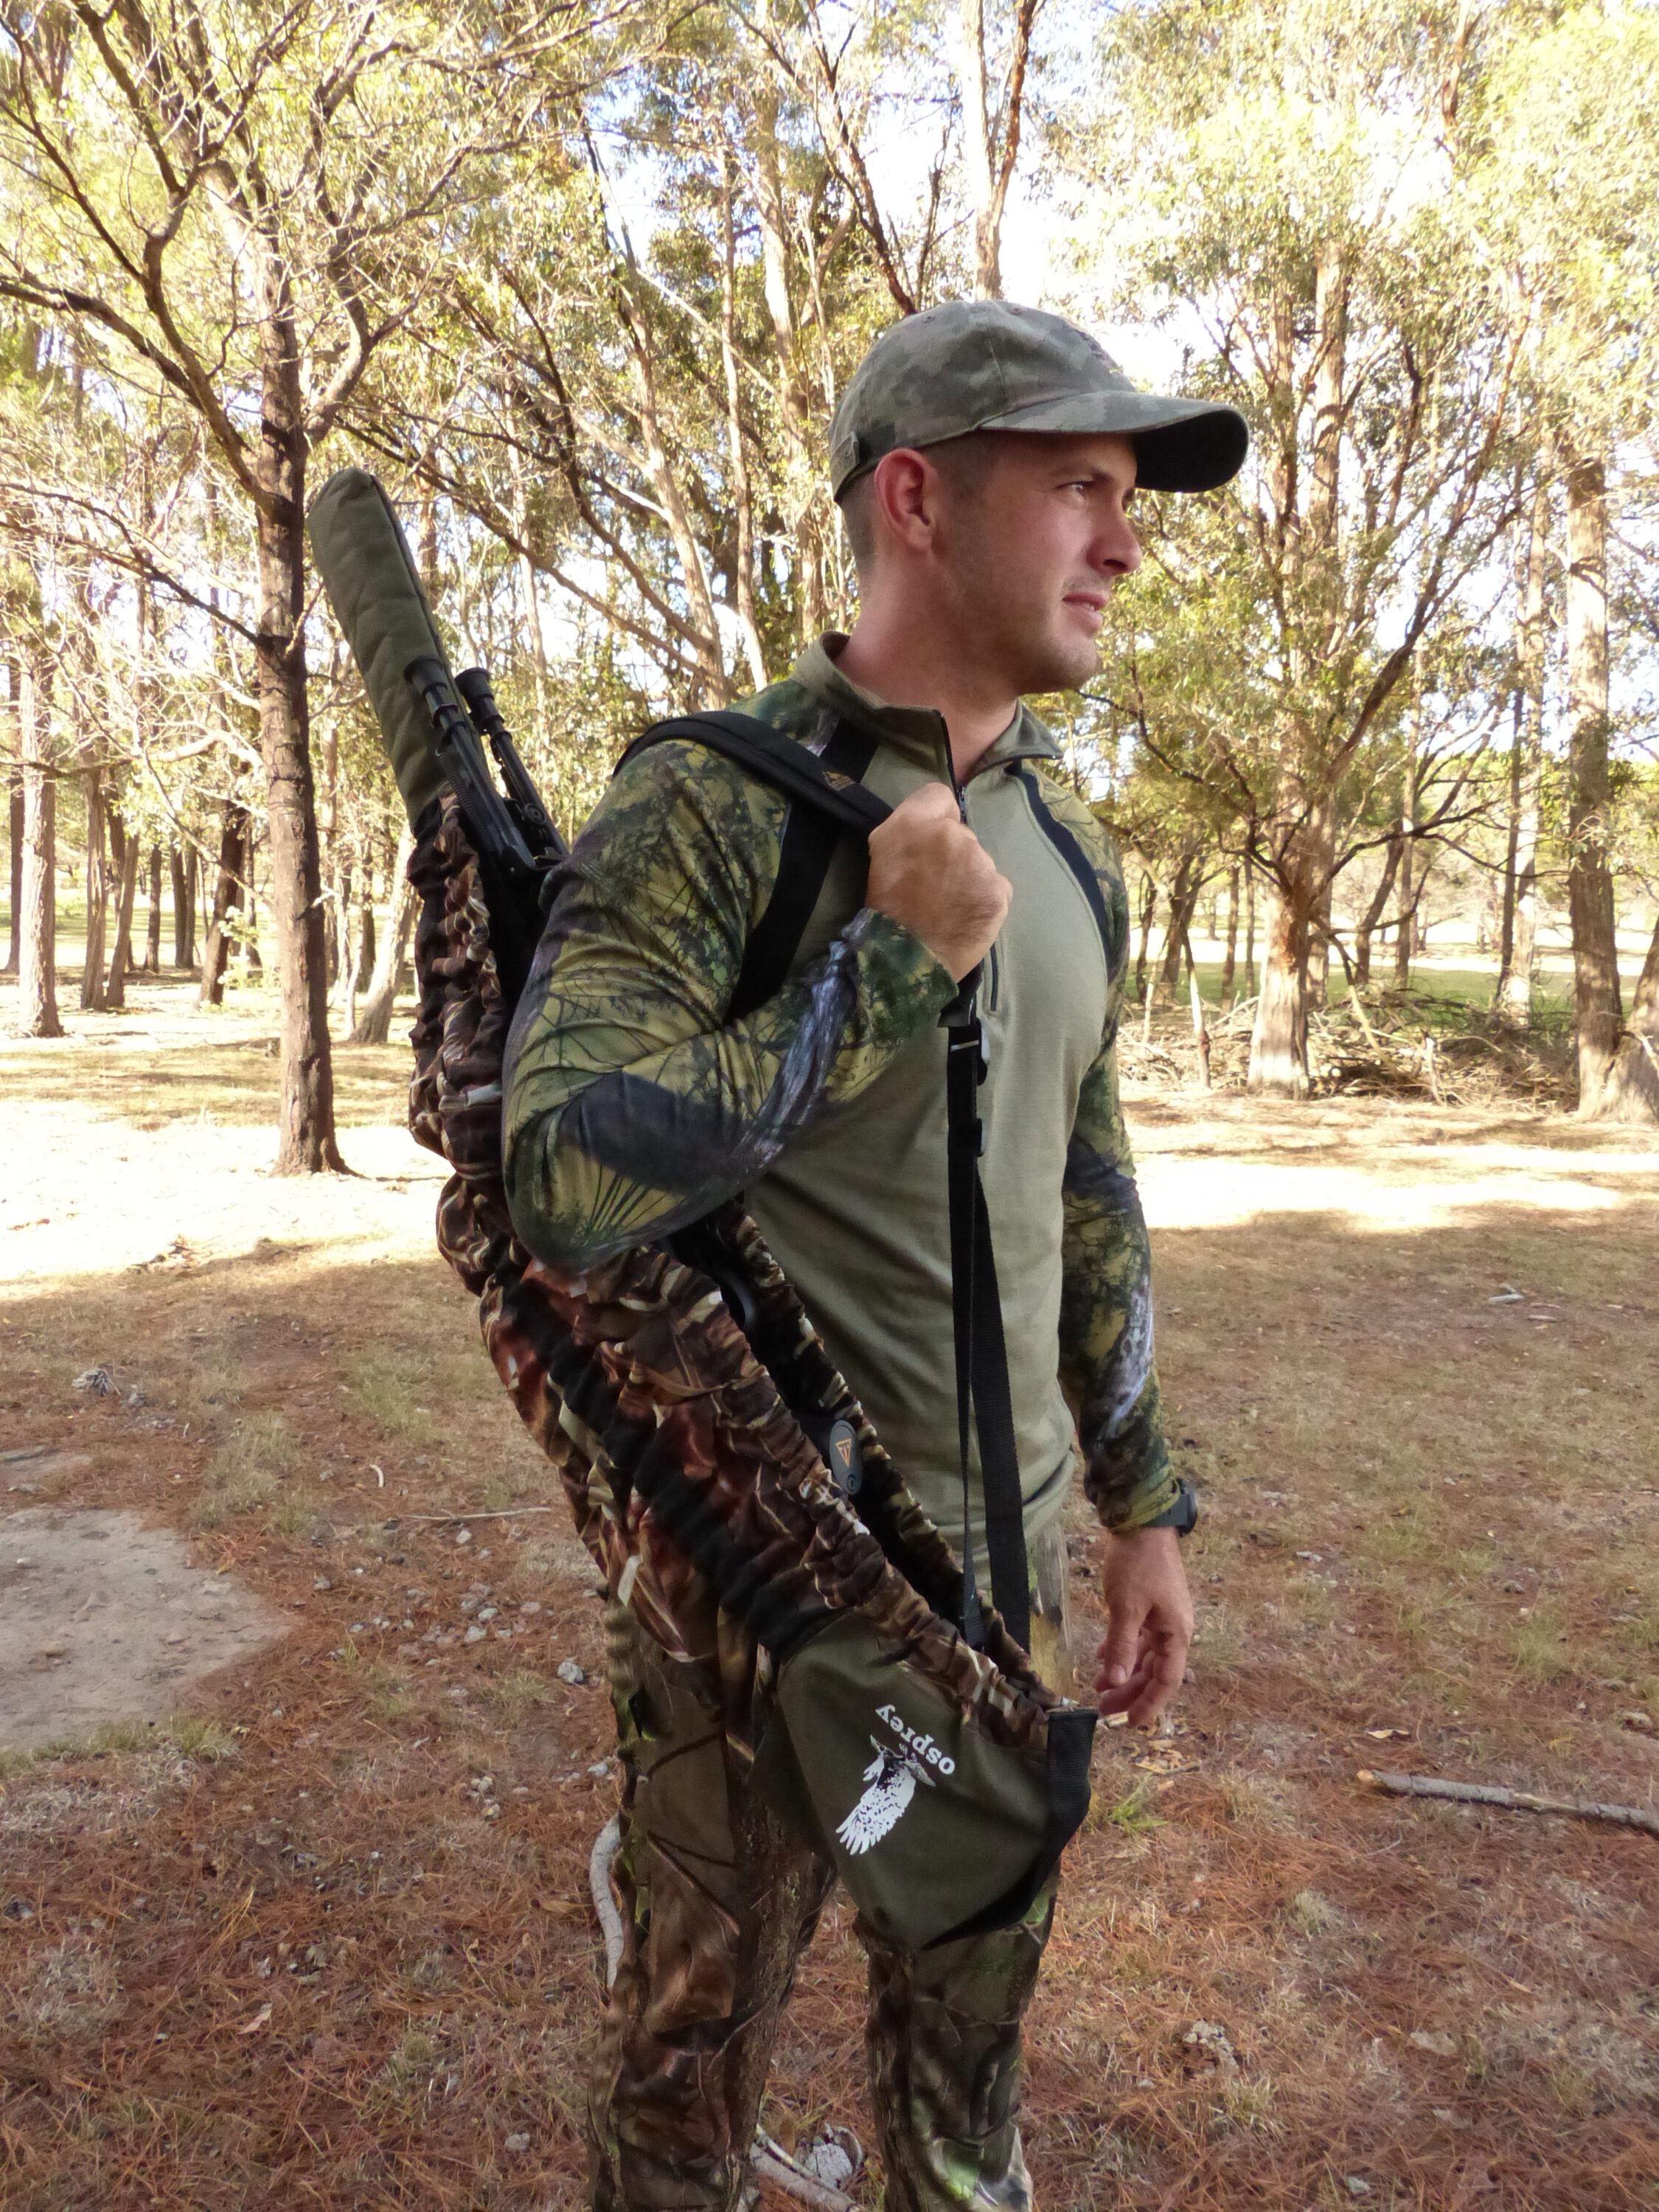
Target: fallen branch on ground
[[1508, 1801], [773, 2164], [606, 1845], [510, 1513]]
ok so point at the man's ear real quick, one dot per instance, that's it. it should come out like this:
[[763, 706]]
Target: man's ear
[[905, 493]]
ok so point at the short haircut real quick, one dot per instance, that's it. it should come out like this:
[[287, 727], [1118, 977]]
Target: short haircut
[[965, 463]]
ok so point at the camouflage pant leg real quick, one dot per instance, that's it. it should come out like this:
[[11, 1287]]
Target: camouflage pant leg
[[718, 1901], [943, 2036], [943, 2040]]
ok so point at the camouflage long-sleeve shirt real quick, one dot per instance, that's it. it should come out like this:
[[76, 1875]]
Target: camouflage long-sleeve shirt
[[634, 1101]]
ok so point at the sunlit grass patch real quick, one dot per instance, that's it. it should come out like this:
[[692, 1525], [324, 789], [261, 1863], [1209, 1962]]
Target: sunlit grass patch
[[1219, 1638], [392, 1387], [246, 1470], [1474, 1563], [293, 1512], [1403, 1540], [1131, 1814], [1314, 1915], [1248, 2101], [199, 1738], [519, 1692], [1539, 1645], [385, 1690], [1252, 1803]]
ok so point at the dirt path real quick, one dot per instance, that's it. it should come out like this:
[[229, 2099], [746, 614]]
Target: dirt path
[[322, 1939]]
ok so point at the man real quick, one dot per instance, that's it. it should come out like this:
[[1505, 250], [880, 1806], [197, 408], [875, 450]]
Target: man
[[984, 456]]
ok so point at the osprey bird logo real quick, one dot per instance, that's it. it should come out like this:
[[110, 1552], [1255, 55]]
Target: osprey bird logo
[[892, 1777]]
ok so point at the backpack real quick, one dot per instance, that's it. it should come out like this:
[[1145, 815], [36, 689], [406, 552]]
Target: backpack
[[908, 1737]]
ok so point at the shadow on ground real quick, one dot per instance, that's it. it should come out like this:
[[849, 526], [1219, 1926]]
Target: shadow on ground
[[339, 1952]]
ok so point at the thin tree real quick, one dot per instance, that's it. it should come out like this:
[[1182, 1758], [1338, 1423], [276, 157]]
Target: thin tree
[[240, 199]]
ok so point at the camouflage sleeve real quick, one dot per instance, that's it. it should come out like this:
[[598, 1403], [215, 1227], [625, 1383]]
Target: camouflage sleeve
[[633, 1106], [1106, 1315], [1106, 1364]]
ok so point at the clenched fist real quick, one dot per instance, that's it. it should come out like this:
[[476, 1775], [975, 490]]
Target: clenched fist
[[929, 872]]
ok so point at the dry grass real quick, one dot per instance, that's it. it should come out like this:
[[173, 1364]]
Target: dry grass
[[325, 1941]]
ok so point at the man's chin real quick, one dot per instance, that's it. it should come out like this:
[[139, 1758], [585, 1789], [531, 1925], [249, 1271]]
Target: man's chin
[[1063, 665]]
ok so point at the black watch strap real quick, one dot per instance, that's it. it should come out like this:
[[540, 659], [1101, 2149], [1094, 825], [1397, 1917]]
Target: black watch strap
[[1181, 1516]]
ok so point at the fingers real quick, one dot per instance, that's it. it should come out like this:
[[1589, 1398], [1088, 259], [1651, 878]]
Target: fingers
[[1142, 1666], [1153, 1685], [929, 872], [1149, 1610], [930, 802], [1122, 1649]]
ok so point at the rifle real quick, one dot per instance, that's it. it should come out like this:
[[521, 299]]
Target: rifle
[[514, 836], [435, 724]]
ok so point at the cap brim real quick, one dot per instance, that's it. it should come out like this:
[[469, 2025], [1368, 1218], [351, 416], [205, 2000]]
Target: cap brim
[[1181, 445]]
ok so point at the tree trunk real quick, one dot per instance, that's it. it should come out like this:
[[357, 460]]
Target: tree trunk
[[1514, 995], [1183, 901], [251, 959], [977, 151], [1639, 1079], [93, 992], [743, 568], [227, 897], [37, 1012], [15, 852], [1322, 847], [806, 508], [183, 905], [1598, 1018], [349, 939], [334, 865], [1229, 963], [373, 1023], [124, 848], [340, 935], [1408, 898], [1250, 931], [1279, 1042], [1375, 911], [1148, 908], [306, 1143], [153, 933], [365, 967]]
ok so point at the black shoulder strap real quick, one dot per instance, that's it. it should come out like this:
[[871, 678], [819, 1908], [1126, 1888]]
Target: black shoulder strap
[[820, 812], [784, 763], [981, 1353], [810, 838]]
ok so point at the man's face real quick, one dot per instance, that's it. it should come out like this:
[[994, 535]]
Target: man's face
[[1030, 544]]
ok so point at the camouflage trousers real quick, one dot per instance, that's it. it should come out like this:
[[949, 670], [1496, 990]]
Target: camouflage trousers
[[719, 1904]]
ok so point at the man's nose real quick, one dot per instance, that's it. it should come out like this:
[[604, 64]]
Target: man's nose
[[1117, 550]]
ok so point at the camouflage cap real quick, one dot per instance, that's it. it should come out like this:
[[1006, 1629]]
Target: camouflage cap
[[990, 365]]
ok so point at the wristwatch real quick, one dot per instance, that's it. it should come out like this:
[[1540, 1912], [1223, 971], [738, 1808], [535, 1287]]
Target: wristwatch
[[1181, 1516]]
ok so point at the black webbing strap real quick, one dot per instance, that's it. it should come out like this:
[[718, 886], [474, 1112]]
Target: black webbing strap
[[981, 1353], [784, 763], [808, 845]]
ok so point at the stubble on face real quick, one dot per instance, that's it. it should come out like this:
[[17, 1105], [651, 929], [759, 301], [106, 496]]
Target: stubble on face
[[1012, 612]]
